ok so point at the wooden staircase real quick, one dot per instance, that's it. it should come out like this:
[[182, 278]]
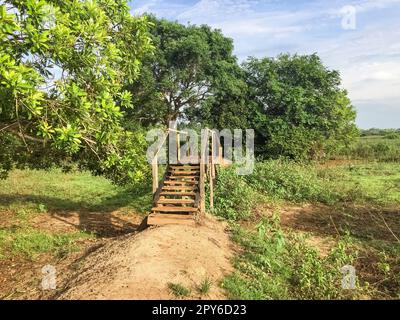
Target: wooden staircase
[[177, 202], [179, 198]]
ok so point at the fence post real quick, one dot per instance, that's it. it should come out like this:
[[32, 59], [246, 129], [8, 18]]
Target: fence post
[[178, 144], [154, 166]]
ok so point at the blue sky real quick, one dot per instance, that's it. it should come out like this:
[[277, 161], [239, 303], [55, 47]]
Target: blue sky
[[366, 53]]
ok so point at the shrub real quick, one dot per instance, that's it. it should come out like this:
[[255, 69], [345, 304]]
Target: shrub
[[233, 197]]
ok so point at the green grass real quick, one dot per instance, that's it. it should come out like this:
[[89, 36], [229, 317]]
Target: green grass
[[179, 290], [368, 183], [373, 148], [279, 180], [205, 286], [280, 265], [28, 193], [29, 243], [277, 263], [41, 190]]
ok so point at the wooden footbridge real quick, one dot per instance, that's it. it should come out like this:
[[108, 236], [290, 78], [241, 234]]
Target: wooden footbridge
[[179, 196]]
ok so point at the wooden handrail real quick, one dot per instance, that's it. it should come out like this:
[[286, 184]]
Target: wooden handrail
[[203, 159], [154, 166]]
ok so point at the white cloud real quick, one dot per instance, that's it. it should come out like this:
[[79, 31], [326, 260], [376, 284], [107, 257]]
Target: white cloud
[[146, 7]]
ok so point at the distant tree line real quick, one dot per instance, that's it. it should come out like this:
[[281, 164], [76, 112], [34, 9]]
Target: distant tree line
[[388, 133]]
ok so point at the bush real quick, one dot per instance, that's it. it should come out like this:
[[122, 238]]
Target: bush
[[233, 197]]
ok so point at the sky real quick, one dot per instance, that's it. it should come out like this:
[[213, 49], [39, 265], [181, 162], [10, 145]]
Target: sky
[[360, 39]]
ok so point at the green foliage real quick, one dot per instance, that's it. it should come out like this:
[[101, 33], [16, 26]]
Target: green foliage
[[375, 147], [282, 179], [62, 71], [301, 112], [178, 290], [233, 197], [378, 132], [277, 265], [189, 65]]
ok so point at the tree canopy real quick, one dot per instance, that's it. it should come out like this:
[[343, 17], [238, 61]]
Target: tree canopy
[[299, 109], [189, 66], [63, 65]]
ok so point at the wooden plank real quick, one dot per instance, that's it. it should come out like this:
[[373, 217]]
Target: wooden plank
[[182, 177], [174, 209], [175, 201], [177, 193], [165, 219], [183, 173], [181, 182], [190, 188], [184, 167], [180, 216]]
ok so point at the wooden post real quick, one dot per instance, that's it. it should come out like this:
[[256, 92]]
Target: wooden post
[[155, 175], [178, 144], [204, 141], [220, 156], [212, 155], [211, 190], [187, 149]]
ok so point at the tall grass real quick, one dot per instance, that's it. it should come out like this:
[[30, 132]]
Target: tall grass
[[281, 180], [278, 265], [376, 148]]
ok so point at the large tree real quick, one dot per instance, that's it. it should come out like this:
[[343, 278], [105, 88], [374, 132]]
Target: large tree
[[299, 109], [63, 65], [191, 64]]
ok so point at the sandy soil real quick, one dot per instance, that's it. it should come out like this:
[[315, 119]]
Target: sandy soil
[[140, 265]]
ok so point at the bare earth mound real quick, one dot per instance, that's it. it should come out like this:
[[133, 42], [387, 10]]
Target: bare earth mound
[[140, 266]]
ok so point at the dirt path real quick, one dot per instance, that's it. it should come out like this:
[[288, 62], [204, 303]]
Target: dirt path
[[140, 266]]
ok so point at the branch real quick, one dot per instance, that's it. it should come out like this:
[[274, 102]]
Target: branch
[[9, 126], [27, 137]]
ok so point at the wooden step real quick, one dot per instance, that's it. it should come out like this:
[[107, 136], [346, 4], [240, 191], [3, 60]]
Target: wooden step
[[181, 182], [184, 173], [175, 167], [163, 219], [177, 193], [182, 177], [174, 209], [190, 188], [175, 201]]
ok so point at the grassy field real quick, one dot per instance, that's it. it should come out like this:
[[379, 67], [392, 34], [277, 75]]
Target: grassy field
[[300, 224], [53, 217], [297, 225], [373, 148]]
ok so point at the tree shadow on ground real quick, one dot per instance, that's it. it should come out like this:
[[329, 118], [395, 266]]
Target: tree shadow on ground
[[363, 223], [113, 216]]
